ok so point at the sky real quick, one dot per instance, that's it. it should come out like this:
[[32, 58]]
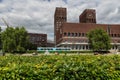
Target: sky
[[37, 16]]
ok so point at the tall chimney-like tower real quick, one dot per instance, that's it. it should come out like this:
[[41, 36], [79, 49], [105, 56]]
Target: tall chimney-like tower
[[88, 16], [60, 17]]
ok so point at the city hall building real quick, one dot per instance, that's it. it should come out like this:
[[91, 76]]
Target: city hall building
[[73, 35]]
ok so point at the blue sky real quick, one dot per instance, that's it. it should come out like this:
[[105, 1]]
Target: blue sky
[[38, 15]]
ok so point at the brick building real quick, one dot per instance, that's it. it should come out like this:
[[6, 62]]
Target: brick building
[[60, 17], [73, 35], [88, 16], [40, 40]]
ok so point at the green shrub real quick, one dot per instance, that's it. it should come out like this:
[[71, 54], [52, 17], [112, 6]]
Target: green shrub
[[77, 67]]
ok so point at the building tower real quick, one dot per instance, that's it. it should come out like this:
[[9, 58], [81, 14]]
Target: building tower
[[88, 16], [60, 17]]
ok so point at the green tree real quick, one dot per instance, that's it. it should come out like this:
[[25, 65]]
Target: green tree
[[21, 38], [8, 40], [0, 38], [99, 40], [31, 46], [14, 39]]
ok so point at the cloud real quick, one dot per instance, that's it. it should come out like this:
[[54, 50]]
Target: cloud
[[38, 15]]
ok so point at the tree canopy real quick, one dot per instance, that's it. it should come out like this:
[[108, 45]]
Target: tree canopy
[[0, 38], [99, 40], [14, 39]]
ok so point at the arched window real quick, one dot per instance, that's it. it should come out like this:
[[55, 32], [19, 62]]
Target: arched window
[[79, 34], [114, 35], [76, 34], [65, 34], [82, 34], [68, 34], [72, 34]]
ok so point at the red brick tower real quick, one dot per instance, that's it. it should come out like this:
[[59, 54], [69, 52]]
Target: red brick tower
[[60, 17], [88, 16]]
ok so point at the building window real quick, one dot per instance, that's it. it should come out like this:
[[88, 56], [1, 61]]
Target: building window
[[76, 34], [72, 34], [79, 34], [76, 46], [82, 34], [65, 34], [114, 35], [83, 47], [86, 46], [68, 34]]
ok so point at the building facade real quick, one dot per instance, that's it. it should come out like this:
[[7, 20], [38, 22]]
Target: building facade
[[40, 40], [73, 35], [60, 17]]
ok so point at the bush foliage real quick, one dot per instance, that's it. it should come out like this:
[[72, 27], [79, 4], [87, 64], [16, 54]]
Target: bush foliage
[[57, 67], [99, 40], [14, 40]]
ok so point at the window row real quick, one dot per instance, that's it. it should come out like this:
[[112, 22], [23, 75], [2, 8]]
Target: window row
[[77, 41], [84, 35], [84, 47], [75, 34], [60, 18], [77, 47], [90, 20], [114, 35]]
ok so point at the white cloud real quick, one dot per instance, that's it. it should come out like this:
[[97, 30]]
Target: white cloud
[[38, 15]]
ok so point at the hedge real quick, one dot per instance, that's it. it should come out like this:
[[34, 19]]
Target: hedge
[[59, 67]]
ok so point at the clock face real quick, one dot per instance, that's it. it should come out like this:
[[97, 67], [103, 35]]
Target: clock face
[[90, 15]]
